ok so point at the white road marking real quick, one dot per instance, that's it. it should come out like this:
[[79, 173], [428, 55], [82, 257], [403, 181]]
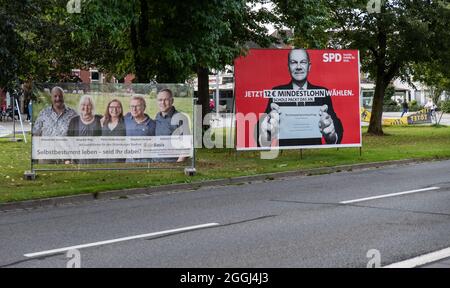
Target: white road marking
[[101, 243], [389, 195], [422, 260]]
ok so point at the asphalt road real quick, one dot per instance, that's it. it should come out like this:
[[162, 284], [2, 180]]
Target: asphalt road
[[293, 222]]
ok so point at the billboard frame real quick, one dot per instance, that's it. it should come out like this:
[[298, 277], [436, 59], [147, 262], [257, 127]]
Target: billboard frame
[[189, 170], [301, 147]]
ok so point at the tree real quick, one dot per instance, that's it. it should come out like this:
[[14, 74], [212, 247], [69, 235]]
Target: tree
[[8, 49], [102, 35], [436, 75], [35, 42], [401, 33], [168, 41]]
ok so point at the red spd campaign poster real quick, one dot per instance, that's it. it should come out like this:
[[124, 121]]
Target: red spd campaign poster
[[297, 98]]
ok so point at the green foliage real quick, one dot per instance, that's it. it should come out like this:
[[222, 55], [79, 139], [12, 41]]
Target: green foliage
[[445, 106], [414, 106], [102, 34], [390, 105], [388, 93], [167, 41], [310, 20], [436, 75], [9, 43], [35, 42], [390, 42]]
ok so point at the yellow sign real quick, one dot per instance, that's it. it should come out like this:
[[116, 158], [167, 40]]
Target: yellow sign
[[395, 121], [422, 116], [365, 117]]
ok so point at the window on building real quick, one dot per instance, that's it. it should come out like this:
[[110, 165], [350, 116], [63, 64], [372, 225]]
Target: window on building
[[368, 94], [226, 80], [95, 76], [367, 98]]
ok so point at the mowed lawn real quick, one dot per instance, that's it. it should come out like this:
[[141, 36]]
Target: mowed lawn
[[416, 142]]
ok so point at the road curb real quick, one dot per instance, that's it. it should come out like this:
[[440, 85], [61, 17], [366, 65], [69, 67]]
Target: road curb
[[59, 201]]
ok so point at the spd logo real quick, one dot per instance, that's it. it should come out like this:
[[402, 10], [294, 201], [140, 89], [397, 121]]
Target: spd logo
[[332, 57]]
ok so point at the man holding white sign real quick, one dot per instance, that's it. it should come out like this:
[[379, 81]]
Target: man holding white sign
[[299, 113]]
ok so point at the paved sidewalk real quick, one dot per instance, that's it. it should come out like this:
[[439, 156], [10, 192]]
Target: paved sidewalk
[[8, 125]]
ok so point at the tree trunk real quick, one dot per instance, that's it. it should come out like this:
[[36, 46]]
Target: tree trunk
[[375, 127], [203, 89], [139, 42], [136, 56]]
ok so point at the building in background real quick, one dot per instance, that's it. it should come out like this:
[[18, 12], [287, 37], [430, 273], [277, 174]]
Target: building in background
[[226, 89], [403, 91]]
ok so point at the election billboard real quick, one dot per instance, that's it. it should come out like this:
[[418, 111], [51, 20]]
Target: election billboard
[[100, 124], [297, 98]]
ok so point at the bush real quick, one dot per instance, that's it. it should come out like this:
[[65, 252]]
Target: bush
[[390, 91], [414, 106], [391, 106], [445, 106]]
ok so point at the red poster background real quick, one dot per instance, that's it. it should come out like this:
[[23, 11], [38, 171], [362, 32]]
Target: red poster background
[[262, 69]]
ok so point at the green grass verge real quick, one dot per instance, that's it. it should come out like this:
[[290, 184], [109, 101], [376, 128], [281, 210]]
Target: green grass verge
[[401, 143]]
